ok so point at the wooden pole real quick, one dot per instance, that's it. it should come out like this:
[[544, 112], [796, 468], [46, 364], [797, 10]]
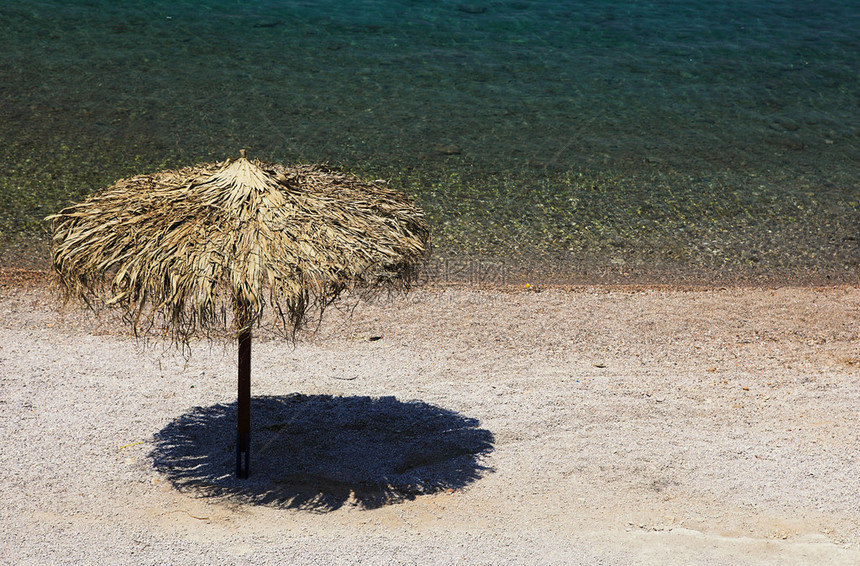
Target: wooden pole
[[243, 412]]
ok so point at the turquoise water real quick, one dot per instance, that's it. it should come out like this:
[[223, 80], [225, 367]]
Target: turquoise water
[[571, 140]]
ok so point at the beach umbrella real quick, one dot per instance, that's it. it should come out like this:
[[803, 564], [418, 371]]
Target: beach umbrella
[[210, 248]]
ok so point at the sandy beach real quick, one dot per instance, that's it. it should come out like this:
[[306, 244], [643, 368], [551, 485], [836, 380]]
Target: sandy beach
[[595, 425]]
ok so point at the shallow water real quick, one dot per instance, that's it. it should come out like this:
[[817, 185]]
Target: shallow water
[[581, 140]]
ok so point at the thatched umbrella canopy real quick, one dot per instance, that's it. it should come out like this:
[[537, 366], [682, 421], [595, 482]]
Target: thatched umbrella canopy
[[177, 250]]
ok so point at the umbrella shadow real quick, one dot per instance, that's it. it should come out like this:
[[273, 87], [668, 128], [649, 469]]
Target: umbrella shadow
[[321, 452]]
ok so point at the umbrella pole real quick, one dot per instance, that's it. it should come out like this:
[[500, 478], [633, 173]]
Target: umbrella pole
[[243, 424]]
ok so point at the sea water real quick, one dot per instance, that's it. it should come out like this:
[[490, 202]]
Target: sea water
[[571, 140]]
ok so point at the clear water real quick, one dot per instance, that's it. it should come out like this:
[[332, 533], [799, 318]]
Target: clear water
[[592, 140]]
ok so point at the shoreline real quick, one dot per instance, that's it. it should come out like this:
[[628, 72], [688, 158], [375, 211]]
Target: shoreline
[[484, 273]]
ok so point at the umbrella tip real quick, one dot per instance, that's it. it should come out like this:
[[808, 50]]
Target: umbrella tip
[[242, 154]]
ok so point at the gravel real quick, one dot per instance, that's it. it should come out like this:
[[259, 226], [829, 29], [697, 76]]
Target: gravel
[[588, 426]]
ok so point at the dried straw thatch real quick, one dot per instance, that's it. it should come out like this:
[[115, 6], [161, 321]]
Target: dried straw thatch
[[185, 247], [181, 247]]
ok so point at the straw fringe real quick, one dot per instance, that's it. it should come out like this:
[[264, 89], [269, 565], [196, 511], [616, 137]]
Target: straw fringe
[[176, 249]]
